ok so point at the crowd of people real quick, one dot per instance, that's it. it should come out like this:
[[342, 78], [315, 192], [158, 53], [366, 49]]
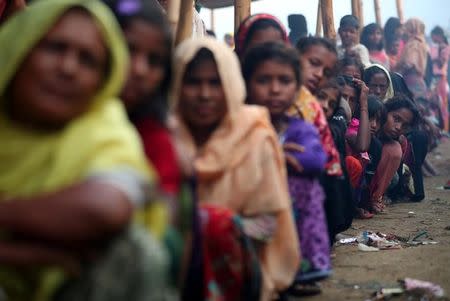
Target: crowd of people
[[133, 170]]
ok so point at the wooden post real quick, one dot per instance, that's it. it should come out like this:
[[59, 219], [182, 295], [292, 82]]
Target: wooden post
[[400, 11], [355, 8], [213, 20], [328, 20], [241, 11], [184, 30], [361, 13], [319, 20], [173, 14], [376, 4]]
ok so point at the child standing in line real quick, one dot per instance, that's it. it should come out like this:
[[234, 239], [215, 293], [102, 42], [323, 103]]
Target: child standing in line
[[272, 73]]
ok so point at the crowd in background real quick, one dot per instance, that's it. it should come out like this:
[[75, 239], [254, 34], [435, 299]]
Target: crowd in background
[[133, 170]]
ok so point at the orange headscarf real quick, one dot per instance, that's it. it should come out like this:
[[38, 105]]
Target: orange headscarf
[[241, 166], [414, 55]]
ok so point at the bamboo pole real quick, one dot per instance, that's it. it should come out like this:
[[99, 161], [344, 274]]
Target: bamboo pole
[[241, 11], [319, 21], [173, 14], [184, 30], [355, 8], [213, 20], [400, 11], [328, 19], [376, 4], [361, 13]]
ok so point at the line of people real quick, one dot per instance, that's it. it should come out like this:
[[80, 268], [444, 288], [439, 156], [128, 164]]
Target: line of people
[[132, 170]]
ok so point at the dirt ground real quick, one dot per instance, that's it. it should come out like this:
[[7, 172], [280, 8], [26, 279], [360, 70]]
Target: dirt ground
[[358, 274]]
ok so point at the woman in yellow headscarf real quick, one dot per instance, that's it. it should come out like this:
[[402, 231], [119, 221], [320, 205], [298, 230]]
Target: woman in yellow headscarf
[[71, 166], [232, 152]]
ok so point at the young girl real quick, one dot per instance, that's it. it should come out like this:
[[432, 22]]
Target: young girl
[[318, 59], [258, 29], [231, 151], [372, 38], [73, 169], [149, 38], [401, 115], [272, 74]]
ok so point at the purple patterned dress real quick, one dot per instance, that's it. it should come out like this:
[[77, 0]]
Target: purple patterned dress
[[308, 200]]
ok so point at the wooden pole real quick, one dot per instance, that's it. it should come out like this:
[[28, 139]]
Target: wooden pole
[[213, 20], [184, 30], [361, 13], [328, 19], [241, 11], [319, 21], [376, 4], [400, 11], [173, 14], [355, 8]]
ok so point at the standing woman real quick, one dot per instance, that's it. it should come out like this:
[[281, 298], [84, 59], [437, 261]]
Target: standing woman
[[393, 37], [72, 171], [232, 152], [413, 60], [372, 38]]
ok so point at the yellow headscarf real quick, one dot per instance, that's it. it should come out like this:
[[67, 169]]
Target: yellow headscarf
[[33, 162], [101, 139]]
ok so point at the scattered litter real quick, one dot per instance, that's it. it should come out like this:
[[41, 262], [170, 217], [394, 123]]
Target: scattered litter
[[411, 287], [411, 214], [378, 240], [422, 287], [421, 239], [365, 248], [346, 241]]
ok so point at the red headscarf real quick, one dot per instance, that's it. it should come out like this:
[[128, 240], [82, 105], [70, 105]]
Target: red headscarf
[[241, 37]]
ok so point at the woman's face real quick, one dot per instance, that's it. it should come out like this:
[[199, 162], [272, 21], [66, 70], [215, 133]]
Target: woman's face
[[274, 86], [376, 37], [328, 99], [397, 122], [148, 59], [202, 99], [378, 85], [394, 47], [352, 71], [318, 63], [61, 75], [269, 34]]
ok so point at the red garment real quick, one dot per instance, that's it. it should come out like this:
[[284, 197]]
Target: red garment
[[159, 150], [355, 170]]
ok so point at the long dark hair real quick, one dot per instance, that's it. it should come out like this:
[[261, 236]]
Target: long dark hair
[[152, 13], [365, 36], [403, 102]]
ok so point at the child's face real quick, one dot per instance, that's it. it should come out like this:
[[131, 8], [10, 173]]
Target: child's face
[[349, 35], [349, 94], [148, 59], [374, 125], [61, 75], [274, 86], [318, 64], [202, 99], [378, 85], [394, 47], [397, 122], [328, 99]]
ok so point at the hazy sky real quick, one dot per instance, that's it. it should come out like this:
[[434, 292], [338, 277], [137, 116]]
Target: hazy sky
[[432, 12]]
